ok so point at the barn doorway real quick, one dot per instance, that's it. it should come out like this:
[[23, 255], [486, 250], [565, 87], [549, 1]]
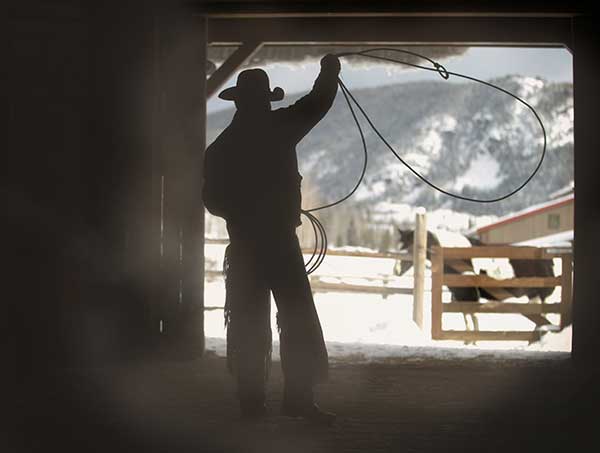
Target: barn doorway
[[467, 138]]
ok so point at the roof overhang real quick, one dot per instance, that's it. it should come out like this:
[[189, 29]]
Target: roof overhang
[[420, 30], [377, 8]]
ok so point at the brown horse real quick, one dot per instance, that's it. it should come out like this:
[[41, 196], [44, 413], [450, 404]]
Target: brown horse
[[521, 268]]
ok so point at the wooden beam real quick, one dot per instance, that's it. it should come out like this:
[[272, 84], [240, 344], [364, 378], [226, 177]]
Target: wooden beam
[[466, 281], [181, 67], [437, 269], [332, 252], [318, 285], [488, 335], [420, 256], [499, 293], [533, 31], [232, 64], [386, 8], [501, 307], [566, 298], [556, 252], [317, 279], [460, 266], [221, 241], [391, 255], [493, 251], [321, 286]]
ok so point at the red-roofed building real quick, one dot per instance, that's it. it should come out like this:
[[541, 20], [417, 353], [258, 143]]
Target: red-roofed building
[[538, 221]]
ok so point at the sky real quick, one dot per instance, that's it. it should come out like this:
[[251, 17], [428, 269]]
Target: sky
[[552, 64]]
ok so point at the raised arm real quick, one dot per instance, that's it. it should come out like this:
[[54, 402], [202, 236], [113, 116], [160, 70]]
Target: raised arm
[[310, 109]]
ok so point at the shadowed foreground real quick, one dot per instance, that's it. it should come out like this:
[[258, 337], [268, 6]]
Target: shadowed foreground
[[399, 406]]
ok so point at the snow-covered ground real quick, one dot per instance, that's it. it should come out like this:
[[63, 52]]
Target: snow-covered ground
[[367, 326]]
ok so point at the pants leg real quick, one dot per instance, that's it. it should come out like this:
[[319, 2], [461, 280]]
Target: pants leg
[[302, 347], [249, 337]]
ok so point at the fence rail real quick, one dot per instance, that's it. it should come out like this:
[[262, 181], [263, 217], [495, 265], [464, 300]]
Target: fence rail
[[335, 252], [505, 251], [318, 284], [483, 281]]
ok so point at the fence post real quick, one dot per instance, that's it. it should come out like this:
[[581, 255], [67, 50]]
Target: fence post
[[419, 257], [437, 272], [566, 298]]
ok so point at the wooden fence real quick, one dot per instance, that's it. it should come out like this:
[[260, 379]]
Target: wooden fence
[[440, 255], [383, 285]]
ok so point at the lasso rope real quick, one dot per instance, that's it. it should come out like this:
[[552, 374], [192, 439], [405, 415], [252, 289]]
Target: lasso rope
[[320, 248]]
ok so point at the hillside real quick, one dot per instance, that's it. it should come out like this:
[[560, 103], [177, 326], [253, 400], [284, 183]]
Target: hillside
[[465, 137]]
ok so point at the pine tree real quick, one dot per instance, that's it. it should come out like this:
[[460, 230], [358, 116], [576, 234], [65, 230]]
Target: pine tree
[[368, 237], [385, 242], [352, 234]]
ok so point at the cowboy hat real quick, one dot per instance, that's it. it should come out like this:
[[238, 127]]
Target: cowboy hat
[[252, 81]]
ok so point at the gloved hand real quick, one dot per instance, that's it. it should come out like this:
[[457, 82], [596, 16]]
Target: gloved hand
[[331, 63]]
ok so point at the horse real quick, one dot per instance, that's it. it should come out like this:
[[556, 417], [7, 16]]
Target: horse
[[520, 267]]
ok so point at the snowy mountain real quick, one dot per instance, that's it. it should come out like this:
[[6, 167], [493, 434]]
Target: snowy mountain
[[464, 137]]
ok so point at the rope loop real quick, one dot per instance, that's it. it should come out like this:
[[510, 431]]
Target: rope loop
[[441, 71], [320, 248]]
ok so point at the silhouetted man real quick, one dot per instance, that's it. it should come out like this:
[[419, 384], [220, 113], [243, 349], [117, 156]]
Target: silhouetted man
[[252, 180]]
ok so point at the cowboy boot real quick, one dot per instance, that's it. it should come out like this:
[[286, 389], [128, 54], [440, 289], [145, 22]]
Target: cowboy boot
[[299, 402], [252, 396], [252, 405]]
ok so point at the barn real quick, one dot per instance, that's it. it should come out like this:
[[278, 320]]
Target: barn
[[106, 110], [550, 223]]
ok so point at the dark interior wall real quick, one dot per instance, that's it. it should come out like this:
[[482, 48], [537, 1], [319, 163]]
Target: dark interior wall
[[586, 305], [103, 114], [46, 190], [122, 190]]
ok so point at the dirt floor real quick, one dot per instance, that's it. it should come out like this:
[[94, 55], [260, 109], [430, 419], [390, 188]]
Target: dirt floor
[[481, 405]]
